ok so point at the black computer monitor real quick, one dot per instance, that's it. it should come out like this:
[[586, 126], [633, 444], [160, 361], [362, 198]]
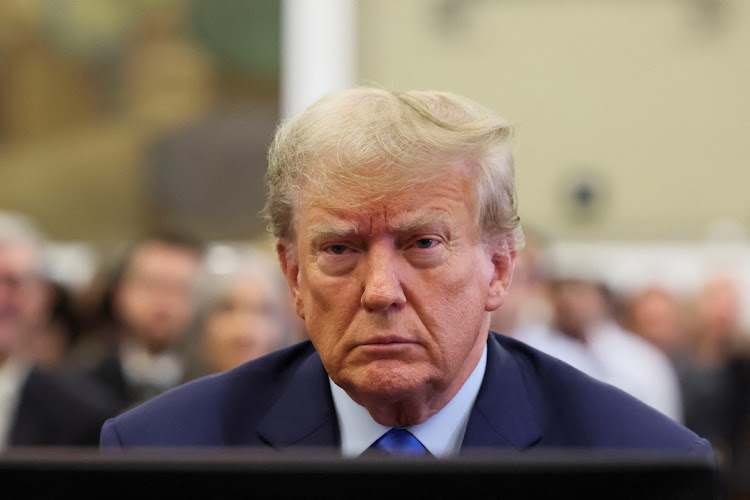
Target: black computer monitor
[[250, 473]]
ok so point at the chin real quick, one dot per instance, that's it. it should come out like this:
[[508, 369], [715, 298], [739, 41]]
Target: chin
[[388, 379]]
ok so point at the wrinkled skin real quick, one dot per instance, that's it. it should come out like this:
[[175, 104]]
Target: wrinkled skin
[[396, 294]]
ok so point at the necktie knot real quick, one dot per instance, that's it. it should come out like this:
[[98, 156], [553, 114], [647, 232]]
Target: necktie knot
[[399, 442]]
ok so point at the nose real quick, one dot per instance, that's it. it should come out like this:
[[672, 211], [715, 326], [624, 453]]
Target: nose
[[382, 288]]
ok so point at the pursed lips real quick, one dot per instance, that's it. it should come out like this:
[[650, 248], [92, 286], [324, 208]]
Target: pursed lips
[[388, 340]]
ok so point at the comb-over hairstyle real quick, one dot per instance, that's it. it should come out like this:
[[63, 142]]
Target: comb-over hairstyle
[[366, 143]]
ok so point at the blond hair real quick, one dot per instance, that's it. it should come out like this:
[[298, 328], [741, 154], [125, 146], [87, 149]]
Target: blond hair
[[368, 143]]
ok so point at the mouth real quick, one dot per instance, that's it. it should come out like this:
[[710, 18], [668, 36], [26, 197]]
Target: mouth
[[388, 340]]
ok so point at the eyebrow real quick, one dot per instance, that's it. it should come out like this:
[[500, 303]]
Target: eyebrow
[[409, 222], [330, 230], [402, 223]]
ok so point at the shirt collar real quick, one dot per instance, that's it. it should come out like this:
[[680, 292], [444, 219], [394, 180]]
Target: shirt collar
[[441, 434], [141, 367], [12, 374]]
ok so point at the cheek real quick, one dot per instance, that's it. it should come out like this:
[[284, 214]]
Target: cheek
[[213, 331], [318, 294], [182, 307], [35, 302], [454, 302], [459, 290], [259, 328], [135, 304], [330, 305], [223, 329]]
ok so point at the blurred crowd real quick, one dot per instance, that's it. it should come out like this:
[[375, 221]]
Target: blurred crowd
[[168, 308], [164, 309], [685, 354]]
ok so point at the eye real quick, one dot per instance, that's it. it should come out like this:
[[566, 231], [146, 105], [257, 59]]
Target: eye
[[337, 249], [425, 243]]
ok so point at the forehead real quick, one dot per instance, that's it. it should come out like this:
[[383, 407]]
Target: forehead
[[18, 258], [447, 200], [163, 261], [252, 289], [156, 251]]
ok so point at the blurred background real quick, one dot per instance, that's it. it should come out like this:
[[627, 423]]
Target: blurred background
[[120, 117], [117, 115]]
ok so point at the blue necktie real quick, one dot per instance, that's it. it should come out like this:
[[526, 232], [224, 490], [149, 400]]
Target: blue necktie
[[399, 442]]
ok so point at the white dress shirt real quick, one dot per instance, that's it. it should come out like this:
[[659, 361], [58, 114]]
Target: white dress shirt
[[143, 369], [442, 434], [618, 357], [13, 374]]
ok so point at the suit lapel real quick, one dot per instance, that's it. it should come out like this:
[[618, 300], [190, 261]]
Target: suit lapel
[[304, 414], [502, 416], [26, 427], [109, 372]]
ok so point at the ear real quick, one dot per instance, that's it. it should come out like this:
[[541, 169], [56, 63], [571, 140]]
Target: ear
[[289, 260], [503, 257]]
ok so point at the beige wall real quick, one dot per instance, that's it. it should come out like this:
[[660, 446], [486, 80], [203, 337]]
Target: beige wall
[[654, 95]]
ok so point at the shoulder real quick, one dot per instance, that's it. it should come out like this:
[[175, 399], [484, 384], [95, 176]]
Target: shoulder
[[622, 343], [75, 409], [200, 412], [576, 410], [65, 392], [107, 370], [545, 339]]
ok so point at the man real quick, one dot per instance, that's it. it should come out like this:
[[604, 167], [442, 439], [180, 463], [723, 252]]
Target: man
[[396, 226], [585, 334], [37, 408], [244, 305], [715, 374], [151, 303]]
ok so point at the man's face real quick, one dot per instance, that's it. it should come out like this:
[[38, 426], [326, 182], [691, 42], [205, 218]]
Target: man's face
[[155, 298], [245, 324], [396, 293], [578, 305], [21, 295]]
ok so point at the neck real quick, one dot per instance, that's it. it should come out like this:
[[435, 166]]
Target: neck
[[711, 352]]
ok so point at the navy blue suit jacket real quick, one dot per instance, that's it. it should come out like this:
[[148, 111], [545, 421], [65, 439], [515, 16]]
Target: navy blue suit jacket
[[527, 400], [59, 410]]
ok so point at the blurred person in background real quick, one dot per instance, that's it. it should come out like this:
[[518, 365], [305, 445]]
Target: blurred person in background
[[656, 315], [37, 408], [716, 378], [527, 302], [59, 328], [585, 334], [243, 310], [138, 351]]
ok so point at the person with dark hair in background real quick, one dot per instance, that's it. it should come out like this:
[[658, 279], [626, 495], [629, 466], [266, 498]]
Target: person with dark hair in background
[[655, 314], [715, 377], [147, 308], [585, 333], [37, 407], [528, 300], [59, 328], [242, 312], [397, 230]]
